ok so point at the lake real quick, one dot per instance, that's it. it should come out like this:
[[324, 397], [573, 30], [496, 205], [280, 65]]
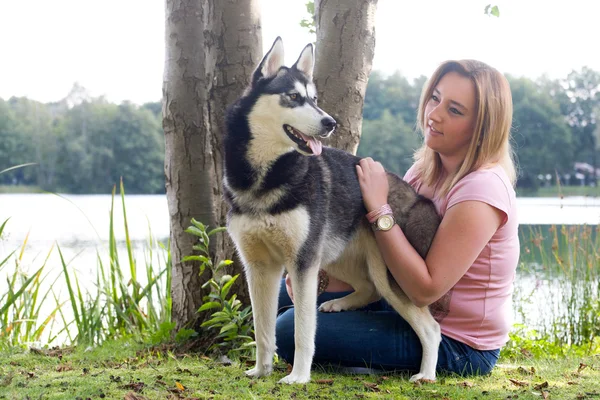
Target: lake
[[79, 224]]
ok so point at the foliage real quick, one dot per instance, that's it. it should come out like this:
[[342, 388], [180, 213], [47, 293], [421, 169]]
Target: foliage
[[492, 11], [309, 23], [390, 140], [82, 144], [234, 324]]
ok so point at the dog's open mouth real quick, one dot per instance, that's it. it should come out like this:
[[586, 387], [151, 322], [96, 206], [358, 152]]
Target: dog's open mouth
[[306, 143]]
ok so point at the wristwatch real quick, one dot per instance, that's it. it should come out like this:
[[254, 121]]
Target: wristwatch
[[384, 222]]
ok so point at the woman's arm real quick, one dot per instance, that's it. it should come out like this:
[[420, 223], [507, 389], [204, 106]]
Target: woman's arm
[[464, 231]]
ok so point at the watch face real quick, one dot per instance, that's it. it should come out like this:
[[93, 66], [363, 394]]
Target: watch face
[[385, 222]]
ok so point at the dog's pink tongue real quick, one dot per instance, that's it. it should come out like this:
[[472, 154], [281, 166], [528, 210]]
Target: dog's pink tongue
[[315, 146]]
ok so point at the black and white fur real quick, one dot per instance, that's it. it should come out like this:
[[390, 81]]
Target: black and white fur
[[294, 210]]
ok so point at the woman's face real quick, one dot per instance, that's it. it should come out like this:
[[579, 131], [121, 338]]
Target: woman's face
[[450, 116]]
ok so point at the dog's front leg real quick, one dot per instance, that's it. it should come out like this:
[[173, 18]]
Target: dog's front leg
[[304, 285], [264, 282]]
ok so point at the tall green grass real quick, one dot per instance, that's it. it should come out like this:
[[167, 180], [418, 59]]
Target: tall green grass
[[134, 305], [566, 260]]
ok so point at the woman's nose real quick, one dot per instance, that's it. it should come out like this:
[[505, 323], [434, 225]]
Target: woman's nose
[[434, 114]]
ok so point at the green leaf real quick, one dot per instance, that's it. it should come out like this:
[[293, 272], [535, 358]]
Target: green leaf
[[209, 306], [226, 287], [217, 230], [195, 231], [196, 258], [495, 11], [228, 327]]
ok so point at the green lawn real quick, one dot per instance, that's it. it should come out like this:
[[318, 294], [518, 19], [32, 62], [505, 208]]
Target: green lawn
[[129, 371]]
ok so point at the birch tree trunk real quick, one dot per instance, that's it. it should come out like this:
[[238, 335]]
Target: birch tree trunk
[[239, 50], [211, 47], [343, 60], [188, 78]]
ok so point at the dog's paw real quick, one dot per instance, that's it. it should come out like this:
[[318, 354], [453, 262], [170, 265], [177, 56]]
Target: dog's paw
[[332, 306], [293, 378], [258, 372], [422, 377]]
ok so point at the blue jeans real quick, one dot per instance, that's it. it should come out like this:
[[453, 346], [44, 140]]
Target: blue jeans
[[375, 337]]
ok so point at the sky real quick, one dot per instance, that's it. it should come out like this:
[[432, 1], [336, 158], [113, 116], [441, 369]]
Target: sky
[[115, 48]]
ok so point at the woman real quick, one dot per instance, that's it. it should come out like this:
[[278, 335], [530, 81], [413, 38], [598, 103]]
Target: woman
[[465, 166]]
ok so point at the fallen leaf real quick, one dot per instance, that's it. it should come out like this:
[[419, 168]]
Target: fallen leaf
[[582, 366], [572, 383], [466, 384], [541, 386], [134, 396], [324, 381], [289, 369], [372, 386], [179, 386], [545, 395], [519, 383], [64, 367]]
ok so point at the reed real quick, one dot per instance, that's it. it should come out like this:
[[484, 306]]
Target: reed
[[565, 262], [118, 305]]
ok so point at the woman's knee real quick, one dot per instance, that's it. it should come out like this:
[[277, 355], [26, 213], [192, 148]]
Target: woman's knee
[[284, 335]]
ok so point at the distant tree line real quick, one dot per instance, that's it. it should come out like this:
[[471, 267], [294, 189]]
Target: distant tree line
[[85, 145], [82, 144]]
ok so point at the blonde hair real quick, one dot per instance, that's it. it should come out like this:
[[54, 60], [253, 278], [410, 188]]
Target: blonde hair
[[490, 143]]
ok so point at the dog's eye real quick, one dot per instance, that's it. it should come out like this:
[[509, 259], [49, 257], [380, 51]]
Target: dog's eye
[[293, 96], [315, 99]]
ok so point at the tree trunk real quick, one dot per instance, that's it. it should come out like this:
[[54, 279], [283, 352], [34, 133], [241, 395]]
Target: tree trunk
[[212, 47], [239, 50], [343, 60], [188, 78]]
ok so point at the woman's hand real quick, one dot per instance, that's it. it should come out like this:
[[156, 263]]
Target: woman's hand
[[373, 183]]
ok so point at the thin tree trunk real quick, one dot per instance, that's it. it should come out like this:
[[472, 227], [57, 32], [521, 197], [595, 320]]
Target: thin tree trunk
[[190, 60], [239, 49], [343, 61]]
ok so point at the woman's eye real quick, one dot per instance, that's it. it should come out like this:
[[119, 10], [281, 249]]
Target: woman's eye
[[455, 111], [434, 97]]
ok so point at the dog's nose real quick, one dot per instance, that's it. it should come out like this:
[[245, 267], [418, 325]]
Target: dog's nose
[[329, 123]]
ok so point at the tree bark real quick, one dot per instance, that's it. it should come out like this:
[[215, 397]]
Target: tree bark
[[343, 60], [189, 71], [212, 47], [239, 50]]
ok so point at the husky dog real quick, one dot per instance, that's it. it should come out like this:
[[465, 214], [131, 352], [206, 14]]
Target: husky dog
[[297, 205]]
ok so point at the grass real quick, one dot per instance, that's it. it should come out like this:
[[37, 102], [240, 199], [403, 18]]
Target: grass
[[124, 369]]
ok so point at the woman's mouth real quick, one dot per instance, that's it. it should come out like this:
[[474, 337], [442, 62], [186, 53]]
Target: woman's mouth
[[433, 130]]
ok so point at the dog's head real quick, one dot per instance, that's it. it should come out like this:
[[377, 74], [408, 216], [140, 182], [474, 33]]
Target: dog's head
[[286, 106]]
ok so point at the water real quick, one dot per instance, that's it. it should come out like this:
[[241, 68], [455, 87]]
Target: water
[[79, 224]]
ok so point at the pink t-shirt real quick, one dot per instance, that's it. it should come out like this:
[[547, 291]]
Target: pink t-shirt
[[478, 309]]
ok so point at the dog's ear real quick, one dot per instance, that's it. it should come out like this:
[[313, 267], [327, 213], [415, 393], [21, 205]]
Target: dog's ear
[[270, 63], [306, 61]]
